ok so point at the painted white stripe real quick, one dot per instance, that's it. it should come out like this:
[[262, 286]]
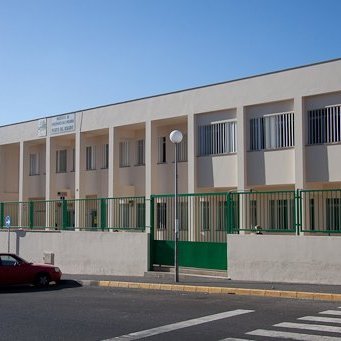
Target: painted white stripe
[[331, 312], [179, 325], [317, 327], [293, 336], [321, 319], [234, 339]]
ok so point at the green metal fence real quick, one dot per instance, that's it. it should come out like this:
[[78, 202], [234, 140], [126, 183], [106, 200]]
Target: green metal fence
[[261, 212], [321, 211], [202, 217], [124, 213]]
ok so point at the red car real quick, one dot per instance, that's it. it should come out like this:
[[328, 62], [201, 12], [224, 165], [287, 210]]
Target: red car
[[15, 270]]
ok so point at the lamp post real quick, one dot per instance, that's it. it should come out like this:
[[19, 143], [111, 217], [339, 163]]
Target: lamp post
[[176, 137]]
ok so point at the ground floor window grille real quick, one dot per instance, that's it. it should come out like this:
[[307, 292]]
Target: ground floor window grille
[[34, 164], [218, 138], [205, 215], [61, 161], [161, 215], [124, 215], [183, 216], [253, 213], [333, 214], [281, 214], [324, 125], [272, 131], [312, 214], [124, 154], [140, 215], [221, 214], [90, 158]]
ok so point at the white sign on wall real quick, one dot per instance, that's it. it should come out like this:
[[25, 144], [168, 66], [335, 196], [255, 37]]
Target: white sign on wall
[[42, 127], [63, 124]]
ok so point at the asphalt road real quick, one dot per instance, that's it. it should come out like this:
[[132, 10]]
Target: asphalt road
[[70, 312]]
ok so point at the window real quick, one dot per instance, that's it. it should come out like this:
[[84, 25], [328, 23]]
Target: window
[[34, 164], [105, 156], [162, 149], [272, 131], [183, 216], [222, 208], [324, 125], [90, 158], [124, 215], [281, 214], [61, 161], [333, 214], [140, 215], [312, 214], [181, 153], [205, 215], [73, 159], [253, 213], [139, 152], [124, 154], [218, 138], [161, 215]]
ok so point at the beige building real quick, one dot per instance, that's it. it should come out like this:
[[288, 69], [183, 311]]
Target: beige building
[[259, 155], [277, 131]]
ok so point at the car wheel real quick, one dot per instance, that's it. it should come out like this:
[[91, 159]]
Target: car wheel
[[42, 280]]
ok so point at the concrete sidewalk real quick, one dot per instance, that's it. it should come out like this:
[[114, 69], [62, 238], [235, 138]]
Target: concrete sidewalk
[[212, 285]]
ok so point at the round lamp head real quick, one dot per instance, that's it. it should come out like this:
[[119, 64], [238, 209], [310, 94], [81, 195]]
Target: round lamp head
[[176, 136]]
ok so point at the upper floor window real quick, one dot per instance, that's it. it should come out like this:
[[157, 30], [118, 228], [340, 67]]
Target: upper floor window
[[181, 153], [34, 164], [139, 152], [272, 131], [162, 149], [324, 125], [61, 161], [124, 154], [90, 157], [105, 156], [218, 138]]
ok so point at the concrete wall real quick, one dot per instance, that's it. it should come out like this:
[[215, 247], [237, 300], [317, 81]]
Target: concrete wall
[[98, 253], [305, 259]]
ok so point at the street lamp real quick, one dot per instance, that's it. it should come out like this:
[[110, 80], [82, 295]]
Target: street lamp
[[176, 137]]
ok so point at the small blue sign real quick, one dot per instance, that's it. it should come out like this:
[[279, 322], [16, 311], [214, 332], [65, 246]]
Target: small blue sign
[[8, 221]]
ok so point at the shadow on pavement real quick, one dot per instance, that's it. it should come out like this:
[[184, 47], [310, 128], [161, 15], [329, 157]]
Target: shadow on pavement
[[63, 284]]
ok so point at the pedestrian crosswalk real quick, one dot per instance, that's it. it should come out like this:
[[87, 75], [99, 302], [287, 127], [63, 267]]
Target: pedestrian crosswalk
[[326, 326]]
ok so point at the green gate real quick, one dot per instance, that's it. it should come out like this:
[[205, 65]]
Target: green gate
[[202, 235]]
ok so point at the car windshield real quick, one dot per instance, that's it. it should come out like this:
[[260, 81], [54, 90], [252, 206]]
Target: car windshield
[[9, 260]]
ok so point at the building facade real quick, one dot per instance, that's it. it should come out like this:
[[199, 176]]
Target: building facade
[[274, 132]]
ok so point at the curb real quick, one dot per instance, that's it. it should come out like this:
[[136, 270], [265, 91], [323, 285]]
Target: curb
[[301, 295]]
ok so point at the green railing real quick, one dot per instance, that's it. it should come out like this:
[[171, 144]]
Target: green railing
[[204, 217], [321, 211], [261, 212], [201, 217], [124, 213]]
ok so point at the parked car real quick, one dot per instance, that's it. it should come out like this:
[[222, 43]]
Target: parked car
[[15, 270]]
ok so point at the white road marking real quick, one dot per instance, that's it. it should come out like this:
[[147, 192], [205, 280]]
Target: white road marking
[[293, 336], [331, 312], [317, 327], [234, 339], [321, 319], [179, 325]]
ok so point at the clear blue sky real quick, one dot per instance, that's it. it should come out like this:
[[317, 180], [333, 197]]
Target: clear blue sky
[[66, 55]]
